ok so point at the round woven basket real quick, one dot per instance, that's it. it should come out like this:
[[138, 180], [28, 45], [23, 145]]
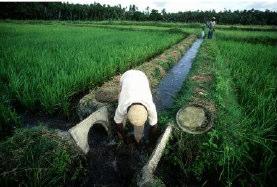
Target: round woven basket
[[204, 127]]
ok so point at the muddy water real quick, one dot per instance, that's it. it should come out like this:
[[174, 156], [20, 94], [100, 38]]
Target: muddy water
[[173, 81], [116, 164], [101, 158], [111, 163]]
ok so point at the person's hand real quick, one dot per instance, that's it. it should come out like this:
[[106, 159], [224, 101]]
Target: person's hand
[[119, 131], [129, 140], [153, 133], [153, 129]]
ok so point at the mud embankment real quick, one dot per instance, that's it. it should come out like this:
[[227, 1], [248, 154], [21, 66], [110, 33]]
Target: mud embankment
[[155, 70], [112, 161]]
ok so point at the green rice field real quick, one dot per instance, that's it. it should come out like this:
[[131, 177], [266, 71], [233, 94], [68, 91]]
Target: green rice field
[[241, 148], [255, 37], [43, 66]]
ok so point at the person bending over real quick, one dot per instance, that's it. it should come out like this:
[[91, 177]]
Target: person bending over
[[135, 104]]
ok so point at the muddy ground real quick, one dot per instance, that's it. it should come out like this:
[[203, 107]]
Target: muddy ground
[[113, 162]]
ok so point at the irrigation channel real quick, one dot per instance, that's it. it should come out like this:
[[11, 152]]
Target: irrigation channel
[[173, 81], [114, 163]]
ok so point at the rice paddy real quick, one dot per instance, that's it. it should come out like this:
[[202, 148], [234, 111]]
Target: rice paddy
[[255, 37], [43, 66], [239, 150]]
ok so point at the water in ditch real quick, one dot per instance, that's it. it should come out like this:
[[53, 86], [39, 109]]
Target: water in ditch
[[113, 164], [173, 81], [110, 161]]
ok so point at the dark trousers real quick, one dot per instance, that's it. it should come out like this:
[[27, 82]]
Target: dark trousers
[[210, 34]]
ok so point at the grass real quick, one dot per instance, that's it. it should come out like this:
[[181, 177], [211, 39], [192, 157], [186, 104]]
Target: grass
[[44, 66], [239, 150], [255, 37], [8, 117], [39, 157], [184, 149], [151, 24], [253, 71], [253, 68]]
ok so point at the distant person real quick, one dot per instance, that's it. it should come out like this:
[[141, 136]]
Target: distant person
[[203, 32], [136, 105], [211, 26]]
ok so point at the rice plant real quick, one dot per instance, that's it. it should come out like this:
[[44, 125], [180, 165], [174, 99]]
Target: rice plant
[[44, 66], [256, 37], [239, 150]]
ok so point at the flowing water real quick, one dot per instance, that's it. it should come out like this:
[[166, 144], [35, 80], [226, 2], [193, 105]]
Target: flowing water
[[111, 163], [173, 81], [116, 165]]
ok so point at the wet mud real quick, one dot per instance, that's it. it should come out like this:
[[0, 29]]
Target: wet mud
[[113, 162], [55, 122], [117, 164]]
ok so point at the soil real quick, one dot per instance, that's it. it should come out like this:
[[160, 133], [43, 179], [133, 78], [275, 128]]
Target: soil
[[111, 162], [55, 122], [152, 69], [202, 78], [209, 105], [107, 94], [200, 92]]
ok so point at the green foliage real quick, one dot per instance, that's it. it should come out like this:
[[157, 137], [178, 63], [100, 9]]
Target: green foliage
[[43, 67], [39, 157], [57, 62], [175, 30], [239, 149], [253, 69], [96, 11], [255, 37], [8, 117]]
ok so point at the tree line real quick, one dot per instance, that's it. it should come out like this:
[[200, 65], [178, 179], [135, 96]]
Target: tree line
[[96, 11]]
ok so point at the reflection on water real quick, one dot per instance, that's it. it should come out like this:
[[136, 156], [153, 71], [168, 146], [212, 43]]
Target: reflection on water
[[173, 81]]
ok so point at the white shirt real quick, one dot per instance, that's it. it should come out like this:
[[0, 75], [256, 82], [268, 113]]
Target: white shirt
[[213, 23], [135, 88], [202, 34]]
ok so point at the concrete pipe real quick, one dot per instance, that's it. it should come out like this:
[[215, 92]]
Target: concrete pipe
[[80, 131]]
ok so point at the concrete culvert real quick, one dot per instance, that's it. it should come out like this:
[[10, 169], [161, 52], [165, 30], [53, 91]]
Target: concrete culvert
[[80, 131]]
